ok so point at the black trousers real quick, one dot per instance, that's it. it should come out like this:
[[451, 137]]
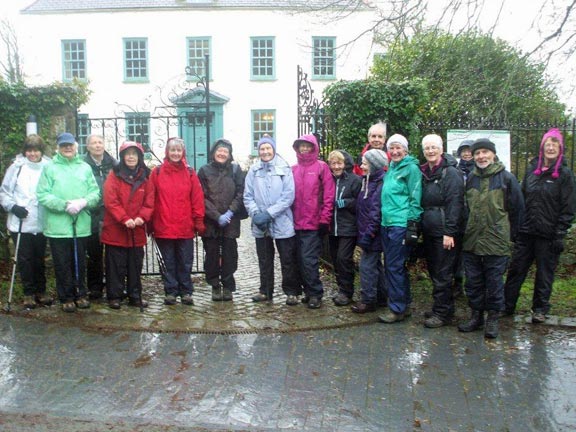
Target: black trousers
[[342, 254], [528, 249], [68, 256], [123, 268], [440, 263], [287, 250], [94, 265], [485, 281], [221, 261], [31, 262]]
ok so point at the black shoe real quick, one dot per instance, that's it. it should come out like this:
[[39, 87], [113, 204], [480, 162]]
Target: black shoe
[[435, 321], [314, 302], [114, 304], [362, 308], [491, 328], [342, 300], [227, 295], [170, 300], [305, 299], [187, 300], [475, 322], [136, 303], [260, 297]]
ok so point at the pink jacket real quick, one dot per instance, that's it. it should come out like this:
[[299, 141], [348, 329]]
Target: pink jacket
[[314, 187]]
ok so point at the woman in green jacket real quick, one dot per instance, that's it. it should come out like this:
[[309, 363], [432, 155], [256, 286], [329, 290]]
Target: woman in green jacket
[[66, 189]]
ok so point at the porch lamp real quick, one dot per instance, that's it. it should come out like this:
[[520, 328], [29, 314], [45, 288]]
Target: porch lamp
[[31, 125]]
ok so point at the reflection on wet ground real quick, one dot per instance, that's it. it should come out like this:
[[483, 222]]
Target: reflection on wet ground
[[365, 378]]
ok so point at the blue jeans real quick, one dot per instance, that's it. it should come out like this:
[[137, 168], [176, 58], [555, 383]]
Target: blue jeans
[[178, 255], [485, 281], [396, 253], [372, 278], [309, 250]]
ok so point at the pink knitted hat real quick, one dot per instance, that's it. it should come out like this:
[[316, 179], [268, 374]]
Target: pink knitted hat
[[556, 134]]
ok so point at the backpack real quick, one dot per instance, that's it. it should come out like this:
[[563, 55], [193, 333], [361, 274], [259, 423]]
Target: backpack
[[241, 213]]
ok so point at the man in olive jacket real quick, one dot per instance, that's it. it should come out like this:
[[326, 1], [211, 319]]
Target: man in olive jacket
[[495, 209], [66, 190]]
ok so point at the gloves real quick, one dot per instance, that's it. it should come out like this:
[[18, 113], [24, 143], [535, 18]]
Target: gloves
[[558, 244], [339, 203], [262, 219], [19, 211], [411, 237], [75, 206], [200, 227], [323, 229], [225, 218]]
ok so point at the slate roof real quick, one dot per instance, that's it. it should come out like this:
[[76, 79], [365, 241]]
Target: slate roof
[[72, 6]]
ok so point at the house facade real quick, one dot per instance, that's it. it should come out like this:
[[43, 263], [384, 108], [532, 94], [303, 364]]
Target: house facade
[[145, 62]]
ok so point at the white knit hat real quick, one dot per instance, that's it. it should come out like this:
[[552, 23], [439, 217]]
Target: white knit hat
[[397, 139]]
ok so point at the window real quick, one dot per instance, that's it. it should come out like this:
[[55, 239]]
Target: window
[[323, 57], [262, 58], [263, 122], [73, 60], [138, 128], [84, 129], [197, 48], [136, 60]]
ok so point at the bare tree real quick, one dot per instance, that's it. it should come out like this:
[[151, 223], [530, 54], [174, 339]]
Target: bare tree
[[10, 64]]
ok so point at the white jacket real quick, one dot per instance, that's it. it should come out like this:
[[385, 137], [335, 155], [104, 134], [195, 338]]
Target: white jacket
[[19, 187]]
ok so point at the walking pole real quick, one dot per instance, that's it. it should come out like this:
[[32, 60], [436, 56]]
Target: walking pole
[[132, 257], [220, 262], [267, 234], [14, 266], [76, 263]]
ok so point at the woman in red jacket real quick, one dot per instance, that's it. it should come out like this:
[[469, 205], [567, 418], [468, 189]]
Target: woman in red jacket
[[178, 217], [129, 203]]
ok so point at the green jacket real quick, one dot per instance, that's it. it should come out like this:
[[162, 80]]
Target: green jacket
[[401, 193], [495, 210], [61, 181]]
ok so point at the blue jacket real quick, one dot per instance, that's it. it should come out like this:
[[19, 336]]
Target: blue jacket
[[270, 186], [368, 212]]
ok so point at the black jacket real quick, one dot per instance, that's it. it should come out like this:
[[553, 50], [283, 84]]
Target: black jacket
[[442, 199], [348, 186], [100, 173], [550, 203], [223, 187]]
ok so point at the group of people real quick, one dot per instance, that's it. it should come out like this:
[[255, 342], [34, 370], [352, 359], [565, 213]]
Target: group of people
[[469, 213]]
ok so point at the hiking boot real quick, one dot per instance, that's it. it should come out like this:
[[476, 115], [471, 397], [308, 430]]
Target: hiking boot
[[29, 302], [187, 300], [260, 297], [170, 300], [435, 321], [538, 317], [390, 317], [114, 304], [291, 300], [216, 293], [491, 328], [69, 307], [314, 302], [227, 295], [136, 302], [82, 303], [362, 308], [342, 300], [44, 299], [475, 322]]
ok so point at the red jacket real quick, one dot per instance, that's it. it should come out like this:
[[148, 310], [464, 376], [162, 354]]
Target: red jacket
[[122, 204], [179, 203]]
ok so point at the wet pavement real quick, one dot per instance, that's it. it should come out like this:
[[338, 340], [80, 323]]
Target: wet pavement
[[266, 367]]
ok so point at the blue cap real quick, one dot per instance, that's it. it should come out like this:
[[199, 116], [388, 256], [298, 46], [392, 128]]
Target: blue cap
[[65, 138]]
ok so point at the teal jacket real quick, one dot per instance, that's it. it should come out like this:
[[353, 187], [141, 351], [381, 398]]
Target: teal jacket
[[401, 193], [61, 181]]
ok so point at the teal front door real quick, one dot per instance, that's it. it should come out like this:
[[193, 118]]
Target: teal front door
[[192, 113]]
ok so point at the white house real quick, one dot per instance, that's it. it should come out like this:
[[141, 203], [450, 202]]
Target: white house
[[134, 54]]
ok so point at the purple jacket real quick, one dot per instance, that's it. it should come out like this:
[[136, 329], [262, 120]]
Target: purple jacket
[[368, 212], [314, 187]]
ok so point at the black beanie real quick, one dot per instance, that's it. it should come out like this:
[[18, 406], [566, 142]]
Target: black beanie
[[483, 143]]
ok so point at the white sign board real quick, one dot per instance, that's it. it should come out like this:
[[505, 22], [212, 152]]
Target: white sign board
[[500, 138]]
